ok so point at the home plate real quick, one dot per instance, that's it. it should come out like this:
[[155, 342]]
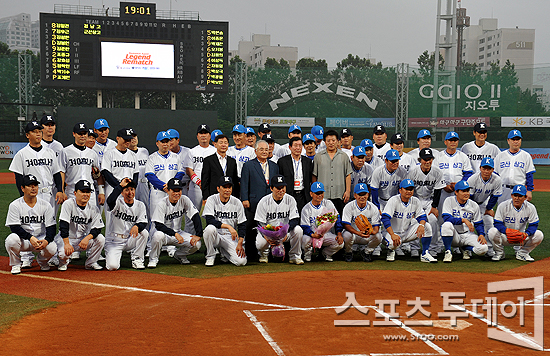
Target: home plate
[[446, 324]]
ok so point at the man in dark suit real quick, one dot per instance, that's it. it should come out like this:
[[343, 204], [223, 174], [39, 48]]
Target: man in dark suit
[[255, 178], [297, 169], [216, 166]]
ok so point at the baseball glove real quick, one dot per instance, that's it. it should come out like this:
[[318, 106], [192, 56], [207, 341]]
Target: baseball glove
[[515, 237], [363, 224], [96, 173]]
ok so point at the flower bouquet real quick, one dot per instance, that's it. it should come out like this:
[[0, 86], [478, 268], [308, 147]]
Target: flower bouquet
[[323, 223], [275, 235]]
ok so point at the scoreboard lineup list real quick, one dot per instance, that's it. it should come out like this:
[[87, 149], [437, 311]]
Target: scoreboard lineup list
[[71, 57]]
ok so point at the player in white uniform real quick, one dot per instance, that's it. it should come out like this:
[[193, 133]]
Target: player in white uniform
[[424, 140], [479, 148], [142, 155], [198, 153], [486, 188], [516, 213], [120, 162], [240, 152], [32, 224], [333, 240], [250, 137], [352, 236], [361, 172], [318, 133], [379, 136], [515, 166], [385, 180], [463, 226], [346, 140], [428, 183], [167, 218], [183, 152], [80, 227], [77, 161], [226, 225], [271, 148], [405, 220], [370, 158], [406, 161], [276, 209], [49, 125], [126, 229], [103, 142]]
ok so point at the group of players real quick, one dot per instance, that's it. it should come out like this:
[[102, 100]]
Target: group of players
[[424, 202]]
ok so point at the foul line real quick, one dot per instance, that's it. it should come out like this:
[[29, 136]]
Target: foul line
[[264, 333], [135, 289]]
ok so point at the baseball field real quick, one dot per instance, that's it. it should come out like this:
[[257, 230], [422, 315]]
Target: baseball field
[[401, 308]]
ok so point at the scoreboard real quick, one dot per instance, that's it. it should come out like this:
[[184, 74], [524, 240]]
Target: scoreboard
[[135, 51]]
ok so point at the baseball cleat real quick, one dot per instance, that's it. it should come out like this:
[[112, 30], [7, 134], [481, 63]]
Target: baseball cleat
[[94, 266], [209, 261], [498, 256], [45, 268], [390, 257], [101, 258], [448, 257], [524, 256], [428, 258], [16, 269], [75, 255], [348, 257], [377, 251], [466, 255], [152, 264], [328, 258], [307, 254], [296, 261], [367, 257], [415, 253], [54, 261], [138, 264], [399, 251], [63, 266], [26, 264], [182, 259]]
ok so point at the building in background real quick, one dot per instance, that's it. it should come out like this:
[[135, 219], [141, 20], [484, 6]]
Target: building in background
[[485, 43], [19, 33], [256, 52]]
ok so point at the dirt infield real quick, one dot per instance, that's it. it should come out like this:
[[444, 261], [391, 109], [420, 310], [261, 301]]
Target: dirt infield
[[131, 312]]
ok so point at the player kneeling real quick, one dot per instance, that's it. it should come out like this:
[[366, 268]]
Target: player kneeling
[[276, 209], [511, 221], [224, 215], [126, 228], [80, 227], [462, 219], [167, 218], [32, 224], [369, 237], [332, 239], [405, 220]]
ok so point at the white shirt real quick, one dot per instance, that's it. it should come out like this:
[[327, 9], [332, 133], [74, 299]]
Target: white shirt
[[513, 167], [402, 213], [81, 221], [230, 213], [481, 190], [477, 154], [269, 212]]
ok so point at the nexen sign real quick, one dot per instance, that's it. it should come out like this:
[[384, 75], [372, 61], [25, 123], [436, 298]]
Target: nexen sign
[[304, 90]]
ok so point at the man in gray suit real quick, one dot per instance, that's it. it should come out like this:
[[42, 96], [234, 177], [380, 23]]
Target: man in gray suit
[[255, 178]]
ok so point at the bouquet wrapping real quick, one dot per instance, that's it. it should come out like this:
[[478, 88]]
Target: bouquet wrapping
[[275, 235], [324, 223]]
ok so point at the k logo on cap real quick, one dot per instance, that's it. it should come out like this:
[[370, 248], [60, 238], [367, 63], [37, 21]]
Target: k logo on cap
[[280, 179], [226, 179]]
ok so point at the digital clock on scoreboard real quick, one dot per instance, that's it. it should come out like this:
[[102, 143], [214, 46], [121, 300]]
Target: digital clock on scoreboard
[[135, 51]]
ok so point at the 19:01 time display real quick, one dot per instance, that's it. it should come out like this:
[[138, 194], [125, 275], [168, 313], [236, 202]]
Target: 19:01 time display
[[137, 10]]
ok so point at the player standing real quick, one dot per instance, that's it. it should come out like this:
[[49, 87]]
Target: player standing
[[406, 161], [379, 136], [120, 162], [142, 155], [462, 220], [479, 148], [385, 180], [517, 214], [240, 152], [103, 142], [32, 224], [370, 158], [346, 140], [126, 228], [424, 140], [360, 172], [226, 225], [80, 227], [198, 154]]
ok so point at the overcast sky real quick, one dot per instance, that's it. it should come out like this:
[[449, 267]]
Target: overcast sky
[[390, 31]]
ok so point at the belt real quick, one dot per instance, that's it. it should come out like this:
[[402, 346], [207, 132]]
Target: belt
[[143, 180], [122, 236], [383, 199], [45, 190]]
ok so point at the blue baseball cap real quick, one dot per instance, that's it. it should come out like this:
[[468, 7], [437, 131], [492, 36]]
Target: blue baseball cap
[[423, 133], [514, 133], [239, 128], [215, 134], [519, 189], [294, 128], [162, 135], [361, 188], [392, 155], [318, 132], [100, 123], [307, 138], [172, 133], [359, 151], [317, 187], [367, 143], [250, 131], [451, 135], [406, 183], [462, 185], [487, 162]]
